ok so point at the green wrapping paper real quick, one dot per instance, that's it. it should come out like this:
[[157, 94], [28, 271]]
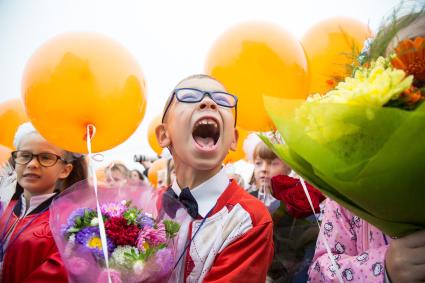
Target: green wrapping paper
[[369, 159]]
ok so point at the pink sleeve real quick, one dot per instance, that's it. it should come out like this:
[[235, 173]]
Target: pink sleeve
[[358, 252]]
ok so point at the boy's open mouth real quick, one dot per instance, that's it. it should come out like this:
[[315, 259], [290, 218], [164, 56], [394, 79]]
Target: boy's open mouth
[[206, 133]]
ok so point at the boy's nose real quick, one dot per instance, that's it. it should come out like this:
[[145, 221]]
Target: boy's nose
[[206, 103]]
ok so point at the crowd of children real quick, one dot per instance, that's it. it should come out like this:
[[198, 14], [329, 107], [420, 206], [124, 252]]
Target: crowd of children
[[237, 234]]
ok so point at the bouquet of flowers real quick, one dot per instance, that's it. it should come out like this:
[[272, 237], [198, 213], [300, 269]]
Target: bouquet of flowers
[[141, 233], [362, 143]]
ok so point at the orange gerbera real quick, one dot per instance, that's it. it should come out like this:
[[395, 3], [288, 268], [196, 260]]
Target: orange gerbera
[[410, 57]]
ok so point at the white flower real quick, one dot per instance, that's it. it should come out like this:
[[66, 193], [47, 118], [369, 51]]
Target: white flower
[[118, 255], [72, 239], [70, 245], [94, 222], [138, 267]]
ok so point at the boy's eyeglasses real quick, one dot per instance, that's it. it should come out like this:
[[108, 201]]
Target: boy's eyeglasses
[[46, 159], [193, 95]]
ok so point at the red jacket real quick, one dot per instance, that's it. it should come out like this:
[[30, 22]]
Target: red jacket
[[245, 254], [33, 256], [235, 242]]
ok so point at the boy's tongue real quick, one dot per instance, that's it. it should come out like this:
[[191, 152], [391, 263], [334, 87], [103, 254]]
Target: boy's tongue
[[207, 142]]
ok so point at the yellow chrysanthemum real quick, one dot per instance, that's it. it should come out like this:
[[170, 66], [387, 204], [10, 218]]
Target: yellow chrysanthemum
[[369, 88], [372, 86]]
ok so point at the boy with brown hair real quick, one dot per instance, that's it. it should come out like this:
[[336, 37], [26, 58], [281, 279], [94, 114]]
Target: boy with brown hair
[[231, 236]]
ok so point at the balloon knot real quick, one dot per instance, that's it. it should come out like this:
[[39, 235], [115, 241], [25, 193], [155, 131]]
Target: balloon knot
[[91, 130]]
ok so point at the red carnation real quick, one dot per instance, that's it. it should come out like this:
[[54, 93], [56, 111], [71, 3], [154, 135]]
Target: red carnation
[[120, 232], [290, 191]]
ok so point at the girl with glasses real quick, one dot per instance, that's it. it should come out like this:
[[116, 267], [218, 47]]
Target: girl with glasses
[[27, 249]]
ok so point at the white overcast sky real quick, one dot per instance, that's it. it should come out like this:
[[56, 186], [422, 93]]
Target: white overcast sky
[[170, 39]]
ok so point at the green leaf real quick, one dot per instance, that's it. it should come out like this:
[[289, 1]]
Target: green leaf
[[171, 228], [73, 230], [131, 215]]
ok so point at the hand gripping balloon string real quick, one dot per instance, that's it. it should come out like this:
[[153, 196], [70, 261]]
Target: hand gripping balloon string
[[325, 241], [91, 131]]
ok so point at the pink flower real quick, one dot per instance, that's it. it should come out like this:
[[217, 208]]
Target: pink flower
[[113, 209], [151, 237]]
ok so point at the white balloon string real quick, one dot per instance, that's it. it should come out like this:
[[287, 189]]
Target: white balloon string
[[325, 241], [91, 131]]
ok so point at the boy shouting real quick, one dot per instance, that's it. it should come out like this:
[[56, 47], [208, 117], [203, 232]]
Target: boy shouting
[[231, 236]]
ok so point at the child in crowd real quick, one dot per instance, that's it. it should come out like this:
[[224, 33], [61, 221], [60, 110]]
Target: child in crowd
[[136, 176], [358, 248], [231, 236], [28, 252], [291, 237], [117, 174], [266, 166]]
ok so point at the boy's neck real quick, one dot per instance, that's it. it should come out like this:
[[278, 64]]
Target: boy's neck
[[188, 177]]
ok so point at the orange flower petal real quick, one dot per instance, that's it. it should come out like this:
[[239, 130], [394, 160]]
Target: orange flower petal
[[398, 64], [410, 57]]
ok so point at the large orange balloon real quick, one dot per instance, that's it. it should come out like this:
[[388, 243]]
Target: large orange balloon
[[157, 165], [239, 153], [254, 59], [4, 154], [12, 114], [77, 79], [331, 46], [153, 142]]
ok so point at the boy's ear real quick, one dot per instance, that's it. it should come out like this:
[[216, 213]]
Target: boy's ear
[[234, 143], [66, 171], [162, 136]]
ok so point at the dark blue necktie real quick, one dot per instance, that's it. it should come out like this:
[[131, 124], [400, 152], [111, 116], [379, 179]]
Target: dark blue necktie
[[187, 199]]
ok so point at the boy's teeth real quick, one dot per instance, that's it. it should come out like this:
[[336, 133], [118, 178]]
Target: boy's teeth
[[207, 122]]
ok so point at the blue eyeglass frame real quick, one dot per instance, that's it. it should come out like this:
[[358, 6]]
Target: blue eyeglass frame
[[205, 93]]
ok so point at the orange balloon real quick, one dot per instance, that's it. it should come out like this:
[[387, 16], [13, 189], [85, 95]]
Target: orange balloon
[[12, 114], [4, 154], [331, 46], [77, 79], [239, 153], [157, 165], [153, 142], [254, 59]]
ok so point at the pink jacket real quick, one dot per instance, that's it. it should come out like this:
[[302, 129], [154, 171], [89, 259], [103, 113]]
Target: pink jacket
[[358, 248]]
